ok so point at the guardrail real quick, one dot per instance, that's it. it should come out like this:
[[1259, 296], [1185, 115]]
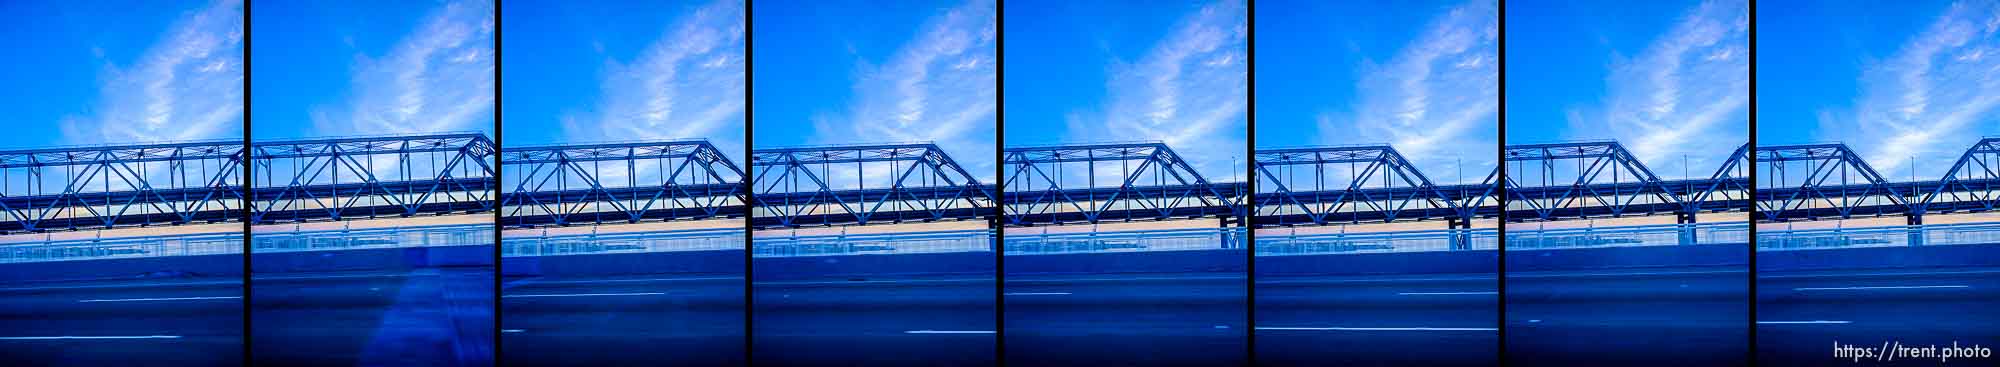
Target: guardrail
[[1886, 236], [976, 240], [1271, 244], [627, 242], [355, 239], [1196, 239], [1629, 236], [119, 248]]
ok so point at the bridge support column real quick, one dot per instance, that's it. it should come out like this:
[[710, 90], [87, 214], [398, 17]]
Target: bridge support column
[[1916, 229], [1685, 227], [1461, 238]]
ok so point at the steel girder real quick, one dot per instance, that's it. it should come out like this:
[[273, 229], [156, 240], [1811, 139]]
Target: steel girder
[[100, 187], [1836, 183], [796, 187], [345, 178], [1161, 185], [669, 180], [1585, 192], [1380, 185], [1972, 184]]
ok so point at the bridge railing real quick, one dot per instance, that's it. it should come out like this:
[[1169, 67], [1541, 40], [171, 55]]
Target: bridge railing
[[1885, 236], [1273, 244], [1195, 239], [974, 240], [627, 242], [120, 248], [1626, 236], [371, 238]]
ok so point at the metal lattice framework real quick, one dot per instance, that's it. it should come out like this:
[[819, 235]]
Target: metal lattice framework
[[1602, 179], [619, 182], [808, 186], [1062, 184], [1972, 184], [368, 177], [1830, 181], [1353, 184], [1822, 181], [103, 187]]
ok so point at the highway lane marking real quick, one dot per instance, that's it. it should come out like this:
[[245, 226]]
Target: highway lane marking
[[1879, 287], [95, 286], [1598, 274], [948, 332], [584, 295], [1339, 328], [532, 281], [68, 337], [1801, 322], [1865, 274], [1447, 293], [1377, 280], [512, 330], [878, 282], [1038, 294], [1117, 279], [159, 299]]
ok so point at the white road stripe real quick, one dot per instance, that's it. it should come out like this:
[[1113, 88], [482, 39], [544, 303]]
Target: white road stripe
[[67, 337], [1039, 294], [1446, 293], [876, 282], [159, 299], [948, 332], [1801, 322], [1879, 287], [583, 295], [535, 281], [1337, 328], [512, 330]]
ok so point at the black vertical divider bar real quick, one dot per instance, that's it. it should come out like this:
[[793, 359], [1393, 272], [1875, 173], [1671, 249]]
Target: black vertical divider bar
[[1750, 214], [748, 179], [998, 223], [498, 188], [247, 177], [1249, 219], [1500, 157]]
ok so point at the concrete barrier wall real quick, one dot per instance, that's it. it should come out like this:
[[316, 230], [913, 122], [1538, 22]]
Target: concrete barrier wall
[[858, 266], [706, 262], [1482, 261], [1205, 261], [224, 265], [1880, 258], [371, 259], [1628, 257]]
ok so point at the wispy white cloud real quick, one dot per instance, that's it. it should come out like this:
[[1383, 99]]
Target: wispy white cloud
[[688, 84], [1930, 100], [438, 78], [1190, 90], [1436, 100], [1685, 95], [186, 86], [939, 87]]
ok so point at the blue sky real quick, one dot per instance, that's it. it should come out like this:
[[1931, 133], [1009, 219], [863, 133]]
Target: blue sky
[[1892, 81], [581, 72], [1421, 76], [1667, 79], [120, 73], [1108, 71], [371, 68], [867, 72]]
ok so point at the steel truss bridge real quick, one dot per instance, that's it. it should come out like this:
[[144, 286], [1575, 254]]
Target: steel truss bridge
[[863, 185], [1103, 183], [626, 182], [1589, 180], [102, 187], [1830, 181], [370, 177]]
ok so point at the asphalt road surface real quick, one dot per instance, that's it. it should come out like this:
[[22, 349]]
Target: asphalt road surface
[[677, 319], [1172, 319], [1378, 320], [162, 322], [1670, 316], [903, 321], [423, 316], [1802, 315]]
